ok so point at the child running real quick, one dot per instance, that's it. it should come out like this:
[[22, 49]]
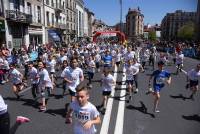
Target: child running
[[158, 83], [85, 114], [107, 84], [192, 79], [16, 79]]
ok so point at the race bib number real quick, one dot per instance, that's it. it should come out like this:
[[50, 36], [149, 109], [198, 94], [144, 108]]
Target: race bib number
[[82, 116], [160, 80]]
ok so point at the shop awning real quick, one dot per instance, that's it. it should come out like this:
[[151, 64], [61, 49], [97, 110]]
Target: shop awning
[[54, 35]]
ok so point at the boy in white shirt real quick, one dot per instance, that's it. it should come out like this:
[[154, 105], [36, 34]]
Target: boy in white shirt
[[85, 114], [130, 72], [107, 84], [179, 61], [73, 76], [193, 80], [33, 75]]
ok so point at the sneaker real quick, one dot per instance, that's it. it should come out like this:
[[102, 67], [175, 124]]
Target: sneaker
[[21, 119], [43, 108], [103, 111], [3, 82], [90, 86], [149, 91], [156, 111], [136, 90]]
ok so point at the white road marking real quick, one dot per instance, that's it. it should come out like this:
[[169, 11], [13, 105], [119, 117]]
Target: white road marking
[[182, 70], [120, 115], [106, 119]]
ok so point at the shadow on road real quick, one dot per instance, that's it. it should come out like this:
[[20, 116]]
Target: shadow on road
[[55, 112], [142, 109], [180, 96], [27, 102], [194, 117], [14, 128]]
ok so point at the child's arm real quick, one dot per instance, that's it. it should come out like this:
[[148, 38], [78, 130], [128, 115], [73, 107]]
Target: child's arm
[[69, 116], [89, 123]]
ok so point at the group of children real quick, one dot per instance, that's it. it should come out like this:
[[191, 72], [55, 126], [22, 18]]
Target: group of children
[[74, 62]]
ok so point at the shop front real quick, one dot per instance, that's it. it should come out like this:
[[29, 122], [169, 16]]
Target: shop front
[[2, 33]]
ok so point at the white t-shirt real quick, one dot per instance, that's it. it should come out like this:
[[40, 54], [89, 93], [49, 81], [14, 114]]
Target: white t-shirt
[[73, 75], [63, 58], [81, 115], [33, 73], [44, 79], [130, 71], [51, 66], [107, 82], [179, 59], [118, 57], [15, 76], [90, 66], [98, 58], [129, 55], [63, 72], [193, 75], [1, 63], [3, 106]]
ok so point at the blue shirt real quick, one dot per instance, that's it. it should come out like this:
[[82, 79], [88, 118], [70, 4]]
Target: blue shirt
[[107, 60], [159, 78]]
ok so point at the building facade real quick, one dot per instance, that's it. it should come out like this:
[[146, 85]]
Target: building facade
[[80, 18], [55, 21], [35, 30], [2, 24], [16, 23], [134, 23], [172, 22], [88, 22], [71, 20]]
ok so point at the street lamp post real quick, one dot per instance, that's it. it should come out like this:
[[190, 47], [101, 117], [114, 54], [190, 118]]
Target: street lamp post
[[120, 29]]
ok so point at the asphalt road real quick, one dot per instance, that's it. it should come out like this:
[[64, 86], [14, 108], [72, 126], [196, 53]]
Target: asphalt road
[[179, 114]]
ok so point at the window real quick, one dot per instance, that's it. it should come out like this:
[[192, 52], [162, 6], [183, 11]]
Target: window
[[47, 2], [48, 22], [52, 3], [52, 18], [39, 14], [28, 8], [63, 5], [67, 4]]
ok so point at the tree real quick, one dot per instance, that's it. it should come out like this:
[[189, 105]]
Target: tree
[[152, 35], [186, 32]]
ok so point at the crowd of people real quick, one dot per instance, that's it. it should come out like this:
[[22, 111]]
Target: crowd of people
[[71, 62]]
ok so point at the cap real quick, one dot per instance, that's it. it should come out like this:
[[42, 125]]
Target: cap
[[30, 62]]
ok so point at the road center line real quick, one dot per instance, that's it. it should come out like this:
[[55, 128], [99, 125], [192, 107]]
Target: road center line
[[106, 119], [120, 114]]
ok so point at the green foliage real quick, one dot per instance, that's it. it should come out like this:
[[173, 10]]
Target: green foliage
[[152, 35], [186, 32]]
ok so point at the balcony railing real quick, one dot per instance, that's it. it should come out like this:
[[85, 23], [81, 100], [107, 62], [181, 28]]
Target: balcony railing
[[58, 8], [18, 16], [60, 26]]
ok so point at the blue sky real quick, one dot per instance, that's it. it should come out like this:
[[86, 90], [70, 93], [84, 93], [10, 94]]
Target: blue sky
[[153, 10]]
